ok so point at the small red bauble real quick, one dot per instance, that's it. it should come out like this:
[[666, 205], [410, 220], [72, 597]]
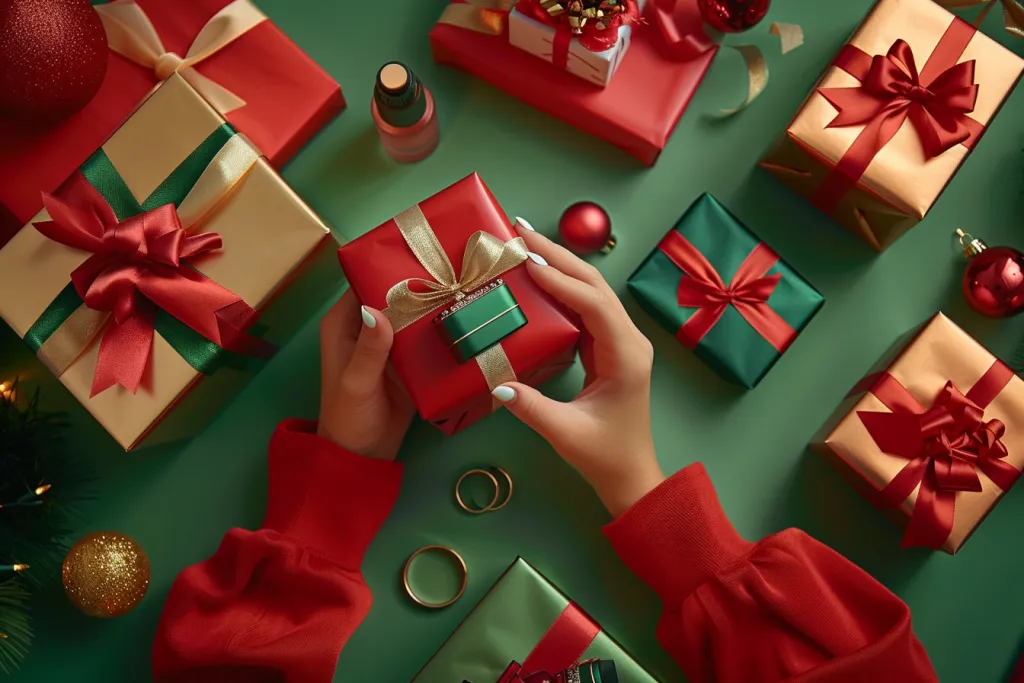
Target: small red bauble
[[586, 228], [54, 57], [993, 281], [733, 16]]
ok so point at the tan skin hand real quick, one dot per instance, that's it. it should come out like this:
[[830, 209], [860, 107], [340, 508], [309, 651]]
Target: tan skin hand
[[605, 432], [362, 407]]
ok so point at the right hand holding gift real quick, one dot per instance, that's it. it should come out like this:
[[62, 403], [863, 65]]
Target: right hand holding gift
[[605, 432]]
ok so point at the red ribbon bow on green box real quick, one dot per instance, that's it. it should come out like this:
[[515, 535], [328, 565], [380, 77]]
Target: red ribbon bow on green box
[[946, 445], [936, 101], [701, 287]]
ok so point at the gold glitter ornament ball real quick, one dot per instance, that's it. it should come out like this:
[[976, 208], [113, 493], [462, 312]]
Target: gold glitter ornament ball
[[106, 574]]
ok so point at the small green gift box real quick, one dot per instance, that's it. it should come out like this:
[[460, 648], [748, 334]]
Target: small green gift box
[[479, 320], [725, 294], [525, 620]]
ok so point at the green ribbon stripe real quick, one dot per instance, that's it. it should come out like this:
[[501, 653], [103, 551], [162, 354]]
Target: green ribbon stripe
[[201, 353]]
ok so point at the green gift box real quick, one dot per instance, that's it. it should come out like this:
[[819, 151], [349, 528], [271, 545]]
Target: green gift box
[[525, 619], [480, 320], [725, 294]]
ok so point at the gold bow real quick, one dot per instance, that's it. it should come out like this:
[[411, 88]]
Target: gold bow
[[482, 16], [1013, 12], [131, 34], [486, 257]]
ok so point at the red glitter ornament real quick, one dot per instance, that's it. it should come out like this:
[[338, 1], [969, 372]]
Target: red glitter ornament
[[733, 16], [993, 281], [54, 57], [586, 228]]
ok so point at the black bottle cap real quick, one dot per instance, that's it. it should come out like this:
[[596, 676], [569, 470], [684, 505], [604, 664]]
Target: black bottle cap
[[399, 95]]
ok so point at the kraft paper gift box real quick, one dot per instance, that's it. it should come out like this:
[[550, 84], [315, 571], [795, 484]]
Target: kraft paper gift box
[[686, 283], [133, 234], [261, 82], [417, 251], [593, 56], [893, 118], [521, 620], [934, 436]]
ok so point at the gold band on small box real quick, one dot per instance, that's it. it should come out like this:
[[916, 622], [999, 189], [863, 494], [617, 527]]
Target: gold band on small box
[[464, 571], [493, 506], [480, 327]]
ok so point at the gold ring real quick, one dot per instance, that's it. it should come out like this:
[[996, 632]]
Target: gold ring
[[508, 478], [412, 593], [462, 503]]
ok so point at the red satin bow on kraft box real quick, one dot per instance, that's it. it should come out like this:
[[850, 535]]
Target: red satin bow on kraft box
[[937, 451], [921, 85]]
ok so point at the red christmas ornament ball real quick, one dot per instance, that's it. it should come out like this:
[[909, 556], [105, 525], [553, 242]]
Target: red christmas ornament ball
[[994, 282], [733, 16], [54, 57], [586, 228]]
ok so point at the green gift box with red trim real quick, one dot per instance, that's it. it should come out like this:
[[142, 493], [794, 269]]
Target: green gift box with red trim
[[724, 293]]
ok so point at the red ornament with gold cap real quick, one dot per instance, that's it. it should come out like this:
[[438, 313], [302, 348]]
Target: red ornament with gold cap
[[586, 228], [733, 16], [993, 281]]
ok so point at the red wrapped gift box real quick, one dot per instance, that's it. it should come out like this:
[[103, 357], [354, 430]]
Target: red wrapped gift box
[[288, 98], [638, 109], [449, 394]]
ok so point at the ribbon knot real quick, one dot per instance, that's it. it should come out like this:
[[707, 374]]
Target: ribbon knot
[[701, 287], [137, 266], [947, 446], [167, 64], [132, 35], [893, 91]]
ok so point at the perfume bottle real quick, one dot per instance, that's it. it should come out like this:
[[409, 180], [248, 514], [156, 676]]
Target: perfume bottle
[[403, 111]]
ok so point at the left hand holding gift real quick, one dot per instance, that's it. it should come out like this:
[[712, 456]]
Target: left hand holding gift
[[605, 432], [362, 408]]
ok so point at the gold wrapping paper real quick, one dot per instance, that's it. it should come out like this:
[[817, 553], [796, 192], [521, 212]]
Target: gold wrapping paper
[[268, 234], [940, 352], [900, 185]]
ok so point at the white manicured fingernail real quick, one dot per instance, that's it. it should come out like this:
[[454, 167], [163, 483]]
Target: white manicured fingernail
[[368, 318], [504, 394], [537, 258], [523, 222]]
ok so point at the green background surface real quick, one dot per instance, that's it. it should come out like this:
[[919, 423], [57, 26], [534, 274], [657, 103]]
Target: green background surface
[[178, 501]]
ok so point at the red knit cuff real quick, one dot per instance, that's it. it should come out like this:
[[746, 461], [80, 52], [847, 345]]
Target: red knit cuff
[[325, 498], [677, 536]]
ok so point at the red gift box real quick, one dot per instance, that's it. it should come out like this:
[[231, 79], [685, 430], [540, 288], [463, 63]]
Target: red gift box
[[449, 394], [287, 98], [638, 109]]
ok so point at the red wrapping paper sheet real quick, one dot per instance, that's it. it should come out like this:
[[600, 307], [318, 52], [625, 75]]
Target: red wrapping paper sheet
[[288, 99], [636, 112], [449, 394]]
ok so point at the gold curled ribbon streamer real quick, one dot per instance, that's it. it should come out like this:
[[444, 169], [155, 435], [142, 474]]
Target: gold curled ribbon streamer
[[485, 258], [225, 171], [131, 34], [791, 36], [481, 16], [1013, 12]]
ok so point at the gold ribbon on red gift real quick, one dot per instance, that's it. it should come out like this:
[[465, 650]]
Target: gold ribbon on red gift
[[947, 445], [485, 258], [559, 649], [131, 34], [701, 287], [935, 100]]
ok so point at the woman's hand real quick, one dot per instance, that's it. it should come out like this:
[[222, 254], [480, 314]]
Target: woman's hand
[[362, 409], [605, 432]]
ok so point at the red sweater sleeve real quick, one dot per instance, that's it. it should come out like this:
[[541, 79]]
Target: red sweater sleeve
[[785, 609], [277, 604]]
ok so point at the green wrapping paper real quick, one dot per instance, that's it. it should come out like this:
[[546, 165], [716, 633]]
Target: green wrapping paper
[[777, 298], [506, 626]]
